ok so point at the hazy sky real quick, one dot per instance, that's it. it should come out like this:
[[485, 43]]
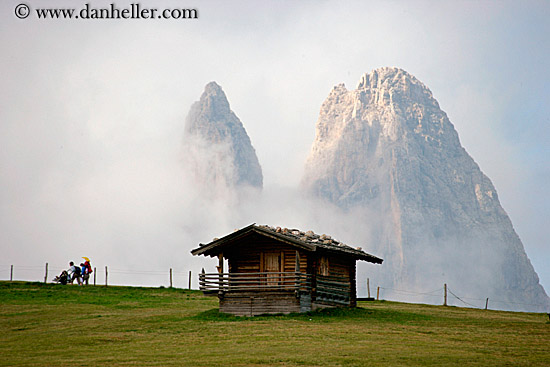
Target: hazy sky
[[92, 111]]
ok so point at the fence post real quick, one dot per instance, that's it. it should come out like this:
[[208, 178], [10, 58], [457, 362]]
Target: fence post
[[445, 294], [95, 272], [486, 302], [46, 275], [368, 288], [106, 275], [11, 274], [189, 279], [378, 293], [170, 277]]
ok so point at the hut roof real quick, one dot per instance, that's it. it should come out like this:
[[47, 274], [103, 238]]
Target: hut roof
[[308, 241]]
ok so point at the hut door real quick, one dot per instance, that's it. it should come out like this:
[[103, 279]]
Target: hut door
[[272, 264]]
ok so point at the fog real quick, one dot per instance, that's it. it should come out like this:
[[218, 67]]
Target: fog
[[92, 117]]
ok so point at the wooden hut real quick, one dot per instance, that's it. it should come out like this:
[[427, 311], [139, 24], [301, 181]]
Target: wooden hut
[[280, 270]]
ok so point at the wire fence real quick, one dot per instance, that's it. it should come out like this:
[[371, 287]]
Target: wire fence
[[444, 295], [105, 275], [488, 300], [188, 279]]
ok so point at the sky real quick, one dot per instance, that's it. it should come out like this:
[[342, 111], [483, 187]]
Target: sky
[[92, 115]]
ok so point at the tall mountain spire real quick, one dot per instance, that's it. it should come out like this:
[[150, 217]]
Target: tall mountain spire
[[387, 146], [217, 146]]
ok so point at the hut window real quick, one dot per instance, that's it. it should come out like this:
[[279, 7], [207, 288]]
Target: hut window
[[323, 266]]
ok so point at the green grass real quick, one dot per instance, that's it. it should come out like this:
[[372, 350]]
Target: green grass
[[54, 325]]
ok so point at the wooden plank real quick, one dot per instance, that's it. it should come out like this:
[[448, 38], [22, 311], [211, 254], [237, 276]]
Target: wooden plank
[[253, 281], [262, 267], [252, 304]]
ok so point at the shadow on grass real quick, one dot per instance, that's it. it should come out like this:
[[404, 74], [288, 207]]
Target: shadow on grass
[[323, 315]]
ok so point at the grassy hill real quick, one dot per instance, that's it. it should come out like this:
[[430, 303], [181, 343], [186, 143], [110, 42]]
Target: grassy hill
[[54, 325]]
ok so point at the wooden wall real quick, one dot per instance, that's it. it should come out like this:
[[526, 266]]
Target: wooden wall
[[339, 266], [340, 269], [248, 257]]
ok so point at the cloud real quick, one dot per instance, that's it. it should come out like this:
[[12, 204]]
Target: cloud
[[92, 113]]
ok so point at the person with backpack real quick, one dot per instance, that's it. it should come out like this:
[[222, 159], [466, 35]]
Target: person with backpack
[[74, 273], [89, 270]]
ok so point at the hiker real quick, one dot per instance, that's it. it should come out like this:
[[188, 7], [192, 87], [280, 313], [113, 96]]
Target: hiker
[[88, 269], [84, 273], [62, 278], [74, 273]]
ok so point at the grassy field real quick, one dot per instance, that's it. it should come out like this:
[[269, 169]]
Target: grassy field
[[54, 325]]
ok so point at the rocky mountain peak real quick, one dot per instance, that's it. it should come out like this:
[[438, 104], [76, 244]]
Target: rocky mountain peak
[[388, 147], [218, 147], [393, 86], [214, 97], [213, 88]]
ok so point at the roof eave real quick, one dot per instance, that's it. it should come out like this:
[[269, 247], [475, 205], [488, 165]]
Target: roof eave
[[371, 259], [205, 248], [208, 249]]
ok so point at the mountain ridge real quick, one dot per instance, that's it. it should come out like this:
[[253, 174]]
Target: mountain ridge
[[389, 161]]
